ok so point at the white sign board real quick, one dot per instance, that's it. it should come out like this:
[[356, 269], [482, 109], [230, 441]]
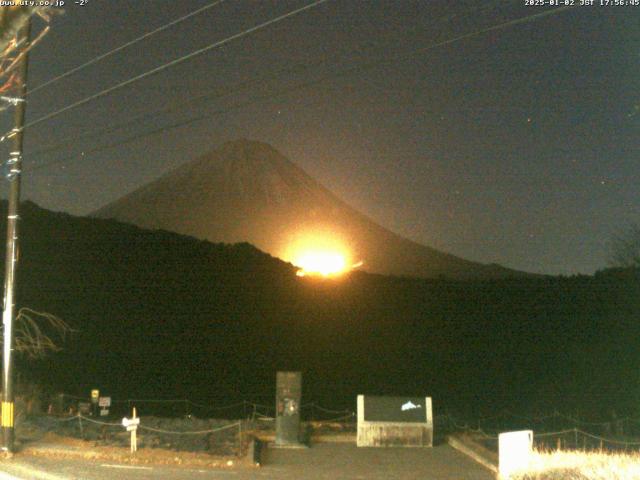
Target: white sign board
[[390, 421], [131, 424], [104, 402], [126, 422], [514, 451]]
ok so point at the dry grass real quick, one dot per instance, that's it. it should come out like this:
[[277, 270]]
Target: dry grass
[[55, 446], [575, 465]]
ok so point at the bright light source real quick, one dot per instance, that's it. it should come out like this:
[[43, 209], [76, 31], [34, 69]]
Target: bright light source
[[318, 252], [321, 263]]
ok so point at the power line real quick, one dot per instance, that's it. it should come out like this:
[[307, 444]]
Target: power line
[[100, 131], [103, 130], [126, 45], [215, 94], [164, 27], [178, 124], [301, 86], [164, 66]]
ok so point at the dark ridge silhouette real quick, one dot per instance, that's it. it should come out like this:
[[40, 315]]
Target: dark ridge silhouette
[[248, 192], [163, 315]]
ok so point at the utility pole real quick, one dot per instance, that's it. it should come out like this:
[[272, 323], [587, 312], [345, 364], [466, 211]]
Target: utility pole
[[14, 164]]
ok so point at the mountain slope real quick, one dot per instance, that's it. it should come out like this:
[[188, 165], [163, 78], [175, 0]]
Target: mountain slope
[[162, 315], [248, 192]]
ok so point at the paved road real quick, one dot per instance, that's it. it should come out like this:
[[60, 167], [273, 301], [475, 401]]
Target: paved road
[[322, 461], [334, 461]]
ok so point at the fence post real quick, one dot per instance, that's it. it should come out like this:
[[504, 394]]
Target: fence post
[[80, 423], [134, 439]]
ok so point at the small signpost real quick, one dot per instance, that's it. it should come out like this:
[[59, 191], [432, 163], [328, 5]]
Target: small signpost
[[131, 424], [95, 396], [104, 403]]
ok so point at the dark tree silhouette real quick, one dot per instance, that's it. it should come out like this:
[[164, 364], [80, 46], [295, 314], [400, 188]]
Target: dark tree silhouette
[[625, 248], [12, 19], [37, 333]]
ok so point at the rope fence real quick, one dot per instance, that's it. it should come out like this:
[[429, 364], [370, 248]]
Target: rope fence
[[199, 432], [571, 439], [168, 433], [80, 418], [573, 432], [558, 434], [505, 414], [574, 437], [578, 439], [551, 431], [179, 407]]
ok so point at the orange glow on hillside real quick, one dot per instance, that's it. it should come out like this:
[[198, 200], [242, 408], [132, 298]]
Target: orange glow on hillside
[[319, 253], [320, 263]]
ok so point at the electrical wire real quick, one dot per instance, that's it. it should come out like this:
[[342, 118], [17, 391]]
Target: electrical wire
[[163, 67], [123, 46], [215, 94], [301, 86]]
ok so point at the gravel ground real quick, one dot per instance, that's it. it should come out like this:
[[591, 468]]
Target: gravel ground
[[153, 432], [320, 462], [44, 440]]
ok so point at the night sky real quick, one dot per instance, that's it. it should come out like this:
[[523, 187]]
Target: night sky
[[517, 146]]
